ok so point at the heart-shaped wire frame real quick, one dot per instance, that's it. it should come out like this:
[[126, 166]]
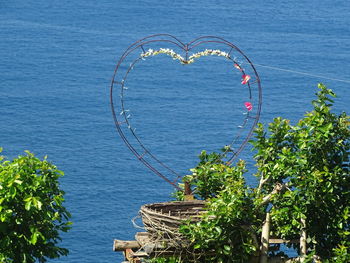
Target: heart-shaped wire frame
[[240, 62]]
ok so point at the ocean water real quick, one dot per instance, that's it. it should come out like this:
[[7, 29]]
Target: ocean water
[[57, 59]]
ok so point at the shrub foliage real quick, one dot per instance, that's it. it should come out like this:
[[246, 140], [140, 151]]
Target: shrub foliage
[[303, 182], [32, 214]]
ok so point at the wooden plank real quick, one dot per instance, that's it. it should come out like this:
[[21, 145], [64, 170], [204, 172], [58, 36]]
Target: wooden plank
[[283, 260], [131, 256], [121, 245], [140, 254], [128, 254], [283, 241]]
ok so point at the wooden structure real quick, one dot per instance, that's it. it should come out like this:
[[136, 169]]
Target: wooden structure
[[164, 219], [131, 249], [162, 239], [162, 222], [144, 247]]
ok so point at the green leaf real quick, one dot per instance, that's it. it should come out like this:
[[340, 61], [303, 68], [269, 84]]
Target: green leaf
[[34, 238], [18, 181], [28, 205], [39, 204], [218, 229], [197, 246]]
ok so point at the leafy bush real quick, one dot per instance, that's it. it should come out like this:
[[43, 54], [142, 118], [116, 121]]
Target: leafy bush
[[208, 176], [228, 227], [31, 210], [304, 183], [311, 161]]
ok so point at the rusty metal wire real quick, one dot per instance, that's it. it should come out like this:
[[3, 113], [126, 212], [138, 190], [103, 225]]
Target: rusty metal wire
[[122, 71]]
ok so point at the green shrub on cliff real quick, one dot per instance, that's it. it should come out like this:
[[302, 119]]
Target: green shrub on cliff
[[32, 214]]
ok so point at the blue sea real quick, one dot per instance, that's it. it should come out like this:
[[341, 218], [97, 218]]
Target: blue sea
[[57, 59]]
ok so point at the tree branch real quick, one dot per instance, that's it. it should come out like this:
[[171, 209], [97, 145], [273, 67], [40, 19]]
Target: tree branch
[[278, 188], [262, 182]]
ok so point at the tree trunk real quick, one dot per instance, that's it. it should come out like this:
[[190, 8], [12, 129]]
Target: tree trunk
[[265, 236], [303, 237]]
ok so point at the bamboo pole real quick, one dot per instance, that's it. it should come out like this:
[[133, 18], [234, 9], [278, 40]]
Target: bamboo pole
[[265, 236]]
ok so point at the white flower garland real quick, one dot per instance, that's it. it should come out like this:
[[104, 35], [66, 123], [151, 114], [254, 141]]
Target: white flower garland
[[175, 56]]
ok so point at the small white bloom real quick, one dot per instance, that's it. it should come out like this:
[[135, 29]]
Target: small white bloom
[[176, 56]]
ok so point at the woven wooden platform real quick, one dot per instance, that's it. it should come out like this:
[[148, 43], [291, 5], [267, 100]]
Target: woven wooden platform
[[164, 219]]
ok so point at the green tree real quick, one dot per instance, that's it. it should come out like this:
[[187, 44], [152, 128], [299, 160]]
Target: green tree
[[306, 167], [32, 214], [303, 183]]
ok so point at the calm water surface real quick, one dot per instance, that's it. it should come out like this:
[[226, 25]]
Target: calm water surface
[[56, 63]]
